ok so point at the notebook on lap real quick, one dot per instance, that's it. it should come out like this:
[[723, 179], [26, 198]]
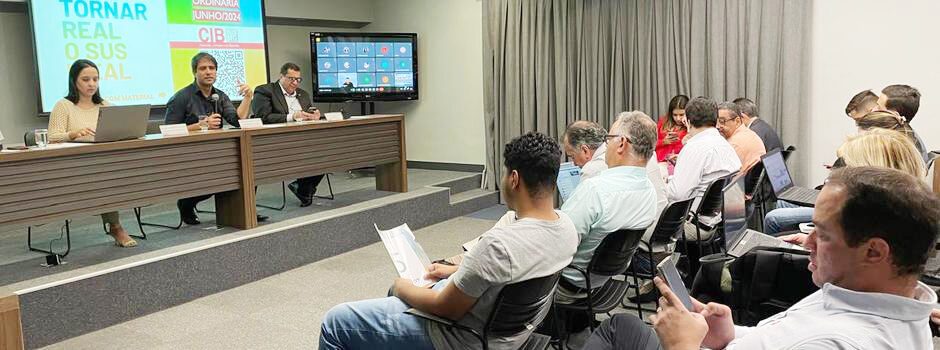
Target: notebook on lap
[[738, 238]]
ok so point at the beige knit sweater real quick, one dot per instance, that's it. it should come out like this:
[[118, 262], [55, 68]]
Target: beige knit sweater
[[67, 117]]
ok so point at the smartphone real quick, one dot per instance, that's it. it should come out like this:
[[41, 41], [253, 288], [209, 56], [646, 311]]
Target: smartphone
[[17, 148], [312, 109], [667, 269]]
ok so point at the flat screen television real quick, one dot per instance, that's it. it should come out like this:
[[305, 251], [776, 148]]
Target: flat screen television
[[364, 66]]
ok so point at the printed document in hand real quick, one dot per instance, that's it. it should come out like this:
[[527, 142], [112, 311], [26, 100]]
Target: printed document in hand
[[407, 255], [569, 176]]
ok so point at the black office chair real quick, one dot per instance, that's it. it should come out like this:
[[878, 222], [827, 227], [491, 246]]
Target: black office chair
[[518, 308], [611, 258], [284, 195], [669, 227], [756, 188], [709, 207], [29, 139], [786, 152]]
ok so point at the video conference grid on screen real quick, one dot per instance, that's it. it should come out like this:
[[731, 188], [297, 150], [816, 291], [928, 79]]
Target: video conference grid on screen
[[364, 65]]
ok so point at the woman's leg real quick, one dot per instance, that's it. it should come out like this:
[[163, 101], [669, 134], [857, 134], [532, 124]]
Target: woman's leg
[[112, 220]]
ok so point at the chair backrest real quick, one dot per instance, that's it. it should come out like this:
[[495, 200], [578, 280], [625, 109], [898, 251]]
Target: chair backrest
[[712, 198], [671, 222], [153, 126], [613, 255], [29, 138], [518, 306], [754, 178], [786, 152]]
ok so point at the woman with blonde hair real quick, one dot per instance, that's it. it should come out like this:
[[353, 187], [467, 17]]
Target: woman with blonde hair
[[875, 147], [884, 148]]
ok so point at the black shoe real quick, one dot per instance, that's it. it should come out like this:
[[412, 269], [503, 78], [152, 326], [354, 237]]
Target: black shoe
[[262, 218], [188, 215], [647, 297], [295, 189]]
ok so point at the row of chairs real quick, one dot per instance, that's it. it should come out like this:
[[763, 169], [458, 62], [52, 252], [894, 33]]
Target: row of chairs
[[518, 305]]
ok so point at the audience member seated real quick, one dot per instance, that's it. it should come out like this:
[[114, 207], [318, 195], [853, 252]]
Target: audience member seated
[[540, 242], [619, 198], [584, 144], [890, 120], [767, 134], [706, 157], [746, 143], [874, 229], [75, 117], [905, 100], [860, 104], [284, 101], [671, 130], [876, 147], [193, 105]]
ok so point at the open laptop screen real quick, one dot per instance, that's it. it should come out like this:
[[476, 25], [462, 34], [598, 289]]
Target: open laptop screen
[[777, 171], [734, 212]]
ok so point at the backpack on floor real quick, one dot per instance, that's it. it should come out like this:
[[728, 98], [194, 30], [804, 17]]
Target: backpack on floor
[[766, 281]]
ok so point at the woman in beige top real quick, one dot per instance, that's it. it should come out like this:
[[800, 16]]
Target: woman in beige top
[[76, 116]]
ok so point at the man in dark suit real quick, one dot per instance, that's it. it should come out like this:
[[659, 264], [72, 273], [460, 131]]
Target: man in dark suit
[[284, 101], [766, 132]]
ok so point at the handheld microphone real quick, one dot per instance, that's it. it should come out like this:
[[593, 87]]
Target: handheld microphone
[[215, 103]]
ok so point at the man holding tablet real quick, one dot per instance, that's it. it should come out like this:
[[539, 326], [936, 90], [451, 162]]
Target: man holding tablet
[[874, 230], [284, 101]]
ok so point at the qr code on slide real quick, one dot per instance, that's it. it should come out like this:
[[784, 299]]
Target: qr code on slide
[[231, 71]]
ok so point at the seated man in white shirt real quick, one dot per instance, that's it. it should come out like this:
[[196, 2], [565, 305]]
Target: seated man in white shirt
[[539, 242], [874, 230], [619, 198], [706, 157], [584, 144]]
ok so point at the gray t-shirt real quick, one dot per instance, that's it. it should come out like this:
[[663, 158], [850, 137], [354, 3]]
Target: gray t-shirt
[[520, 251]]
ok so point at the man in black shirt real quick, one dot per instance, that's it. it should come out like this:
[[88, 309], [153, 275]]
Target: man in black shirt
[[766, 132], [202, 98], [284, 101]]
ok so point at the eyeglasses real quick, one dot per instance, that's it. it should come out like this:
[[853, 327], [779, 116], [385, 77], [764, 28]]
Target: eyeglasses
[[295, 80]]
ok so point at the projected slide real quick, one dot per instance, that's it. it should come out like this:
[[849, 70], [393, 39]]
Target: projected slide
[[143, 48]]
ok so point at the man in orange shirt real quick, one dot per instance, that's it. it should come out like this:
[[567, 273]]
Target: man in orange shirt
[[745, 141]]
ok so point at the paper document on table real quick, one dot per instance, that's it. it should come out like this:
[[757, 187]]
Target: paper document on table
[[569, 176], [407, 255]]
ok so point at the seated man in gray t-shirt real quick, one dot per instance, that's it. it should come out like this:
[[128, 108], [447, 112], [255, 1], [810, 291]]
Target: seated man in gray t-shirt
[[539, 242]]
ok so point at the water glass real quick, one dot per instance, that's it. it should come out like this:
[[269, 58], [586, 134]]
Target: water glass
[[42, 137], [203, 123]]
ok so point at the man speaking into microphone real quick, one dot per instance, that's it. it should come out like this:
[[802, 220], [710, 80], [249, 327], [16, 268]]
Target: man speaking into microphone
[[202, 98]]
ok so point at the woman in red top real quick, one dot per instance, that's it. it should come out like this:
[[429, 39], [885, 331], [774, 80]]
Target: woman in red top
[[671, 129]]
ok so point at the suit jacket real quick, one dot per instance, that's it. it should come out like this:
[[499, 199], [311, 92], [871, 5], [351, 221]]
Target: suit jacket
[[270, 105]]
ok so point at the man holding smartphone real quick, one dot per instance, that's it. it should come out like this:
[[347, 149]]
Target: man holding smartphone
[[284, 101]]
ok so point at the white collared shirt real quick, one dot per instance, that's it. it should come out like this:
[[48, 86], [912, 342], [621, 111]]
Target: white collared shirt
[[293, 104], [706, 157], [838, 318], [597, 164]]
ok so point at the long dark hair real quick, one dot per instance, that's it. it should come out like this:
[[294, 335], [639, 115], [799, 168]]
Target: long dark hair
[[677, 102], [76, 69]]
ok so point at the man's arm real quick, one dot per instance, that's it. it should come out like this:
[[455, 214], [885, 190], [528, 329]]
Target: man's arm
[[685, 178], [450, 303], [175, 111], [228, 112], [262, 105]]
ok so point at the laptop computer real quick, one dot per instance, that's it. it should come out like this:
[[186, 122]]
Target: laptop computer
[[117, 123], [738, 238], [782, 182], [569, 176]]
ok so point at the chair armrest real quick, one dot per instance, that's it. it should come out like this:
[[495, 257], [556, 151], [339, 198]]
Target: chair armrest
[[447, 323], [587, 278], [430, 317]]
